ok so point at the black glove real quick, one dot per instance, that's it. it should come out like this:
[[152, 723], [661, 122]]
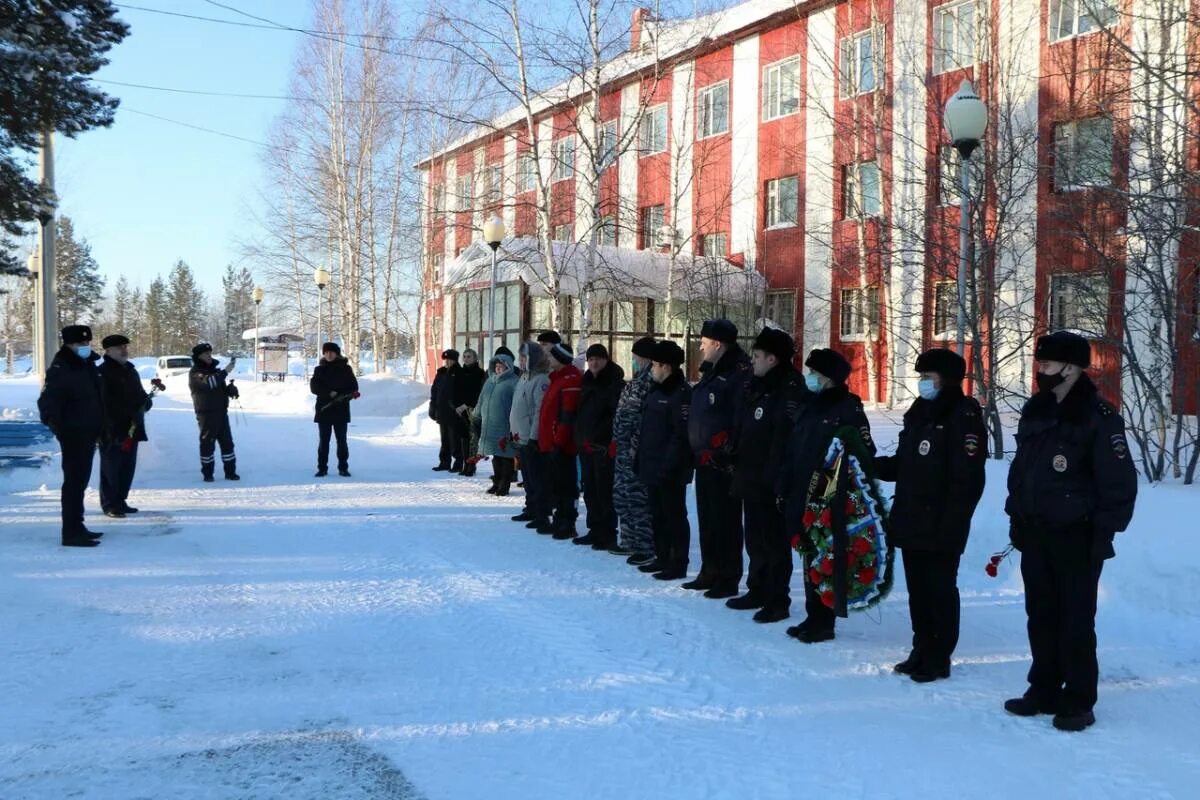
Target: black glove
[[232, 391], [149, 404]]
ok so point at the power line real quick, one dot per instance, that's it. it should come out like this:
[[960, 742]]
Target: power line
[[293, 98]]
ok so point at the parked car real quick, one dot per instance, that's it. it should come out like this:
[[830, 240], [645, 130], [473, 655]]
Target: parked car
[[172, 365]]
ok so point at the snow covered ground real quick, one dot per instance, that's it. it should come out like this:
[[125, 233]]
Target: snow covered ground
[[393, 635]]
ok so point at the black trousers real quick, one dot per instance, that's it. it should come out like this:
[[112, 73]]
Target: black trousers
[[562, 471], [462, 430], [214, 430], [1061, 583], [77, 455], [537, 490], [770, 573], [337, 429], [818, 615], [933, 604], [719, 518], [116, 475], [452, 445], [598, 471], [672, 532]]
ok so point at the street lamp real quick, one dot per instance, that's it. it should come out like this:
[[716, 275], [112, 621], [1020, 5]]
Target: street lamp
[[257, 294], [493, 234], [321, 278], [965, 119]]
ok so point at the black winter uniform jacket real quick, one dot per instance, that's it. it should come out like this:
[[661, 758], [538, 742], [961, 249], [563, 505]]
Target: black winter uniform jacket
[[125, 400], [468, 385], [598, 398], [333, 376], [938, 470], [441, 393], [714, 397], [663, 455], [72, 400], [762, 424], [210, 394], [1073, 470]]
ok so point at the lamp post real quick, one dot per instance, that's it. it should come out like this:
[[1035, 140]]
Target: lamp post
[[965, 119], [493, 234], [321, 278], [45, 293], [257, 294]]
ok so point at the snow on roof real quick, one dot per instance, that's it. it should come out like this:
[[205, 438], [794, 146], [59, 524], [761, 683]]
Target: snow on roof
[[271, 330], [674, 37], [620, 273]]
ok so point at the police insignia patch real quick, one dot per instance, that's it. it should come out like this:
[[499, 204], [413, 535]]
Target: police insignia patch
[[1059, 463], [971, 444], [758, 413], [1119, 445], [924, 447]]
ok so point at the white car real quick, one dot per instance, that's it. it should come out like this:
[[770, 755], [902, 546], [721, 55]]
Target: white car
[[172, 365]]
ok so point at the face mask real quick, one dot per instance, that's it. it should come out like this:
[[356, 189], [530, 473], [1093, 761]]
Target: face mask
[[1046, 383], [927, 389], [813, 381], [84, 351]]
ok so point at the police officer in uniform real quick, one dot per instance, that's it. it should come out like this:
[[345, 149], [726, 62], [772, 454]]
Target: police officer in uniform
[[762, 425], [724, 371], [938, 470], [126, 404], [442, 411], [210, 399], [71, 405], [1071, 489]]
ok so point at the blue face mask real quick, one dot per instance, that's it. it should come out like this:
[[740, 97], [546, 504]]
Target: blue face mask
[[85, 351], [927, 389], [813, 381]]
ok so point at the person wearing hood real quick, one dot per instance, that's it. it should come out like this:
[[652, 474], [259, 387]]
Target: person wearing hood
[[556, 424], [1072, 487], [442, 410], [492, 418], [468, 387], [600, 391], [938, 470], [523, 425], [210, 399], [334, 385], [724, 372], [71, 405], [630, 501], [831, 406], [125, 405]]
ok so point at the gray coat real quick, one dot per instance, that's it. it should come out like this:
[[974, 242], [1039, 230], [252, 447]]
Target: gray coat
[[527, 399]]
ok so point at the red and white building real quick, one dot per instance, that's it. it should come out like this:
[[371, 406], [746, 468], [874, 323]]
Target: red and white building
[[802, 142]]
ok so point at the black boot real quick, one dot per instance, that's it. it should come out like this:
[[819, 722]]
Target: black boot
[[809, 633], [1030, 705], [672, 572], [908, 665], [746, 602], [321, 472], [1074, 722], [771, 614], [524, 516], [344, 472]]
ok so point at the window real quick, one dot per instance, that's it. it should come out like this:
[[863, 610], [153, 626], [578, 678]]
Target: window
[[783, 202], [714, 110], [527, 173], [1079, 302], [954, 36], [945, 309], [607, 235], [1083, 153], [780, 308], [606, 148], [471, 311], [564, 232], [439, 198], [436, 262], [948, 175], [781, 89], [860, 63], [653, 219], [713, 244], [862, 192], [495, 184], [652, 134], [1076, 17], [859, 312], [464, 190], [564, 158]]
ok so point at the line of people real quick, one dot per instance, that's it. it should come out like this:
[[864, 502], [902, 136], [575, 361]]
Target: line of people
[[753, 432]]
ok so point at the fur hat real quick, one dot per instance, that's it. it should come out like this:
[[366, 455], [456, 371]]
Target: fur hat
[[946, 363], [597, 351], [549, 337], [644, 347], [775, 342], [830, 363], [1064, 346], [450, 354], [325, 348], [113, 340], [203, 347], [503, 351], [667, 352], [561, 353], [721, 330], [76, 334]]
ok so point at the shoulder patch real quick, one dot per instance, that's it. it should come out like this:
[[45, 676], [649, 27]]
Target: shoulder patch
[[971, 444], [1119, 445]]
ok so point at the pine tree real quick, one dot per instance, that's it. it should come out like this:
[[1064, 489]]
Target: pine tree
[[185, 324], [47, 50], [79, 285], [135, 323], [238, 313], [156, 311]]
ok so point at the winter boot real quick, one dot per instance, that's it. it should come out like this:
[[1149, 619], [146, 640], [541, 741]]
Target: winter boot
[[640, 560], [746, 602], [771, 614], [701, 583], [1030, 705], [928, 673], [344, 472], [1074, 722], [908, 665], [321, 472], [673, 572], [230, 475], [721, 592], [524, 516], [809, 633]]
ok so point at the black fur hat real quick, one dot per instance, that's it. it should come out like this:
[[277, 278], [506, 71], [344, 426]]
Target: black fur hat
[[667, 352], [721, 330], [946, 363], [451, 354], [830, 363], [1064, 346], [776, 342], [113, 340], [76, 334], [549, 337], [644, 347], [203, 347]]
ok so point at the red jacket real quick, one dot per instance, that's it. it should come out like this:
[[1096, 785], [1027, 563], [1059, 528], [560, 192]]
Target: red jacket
[[556, 421]]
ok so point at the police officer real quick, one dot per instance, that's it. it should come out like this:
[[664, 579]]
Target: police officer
[[664, 461], [629, 493], [938, 470], [600, 391], [762, 425], [126, 403], [724, 371], [442, 410], [334, 384], [1071, 489], [71, 405], [832, 406], [210, 399]]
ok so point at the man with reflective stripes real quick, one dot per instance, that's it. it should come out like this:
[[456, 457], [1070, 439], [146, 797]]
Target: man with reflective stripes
[[210, 398]]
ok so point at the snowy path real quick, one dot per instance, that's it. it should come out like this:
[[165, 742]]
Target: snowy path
[[394, 635]]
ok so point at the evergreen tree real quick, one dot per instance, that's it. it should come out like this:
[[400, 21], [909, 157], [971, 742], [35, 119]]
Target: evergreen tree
[[135, 323], [47, 50], [120, 306], [79, 285], [185, 324], [155, 314], [238, 312]]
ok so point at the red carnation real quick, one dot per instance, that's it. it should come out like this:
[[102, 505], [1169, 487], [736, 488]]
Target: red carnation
[[850, 507], [795, 540], [355, 396], [990, 569], [860, 547], [705, 457], [866, 575], [814, 577], [809, 518], [826, 518], [827, 566], [718, 440], [827, 598]]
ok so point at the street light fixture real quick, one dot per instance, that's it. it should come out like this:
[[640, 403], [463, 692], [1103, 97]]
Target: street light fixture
[[321, 278], [257, 294], [965, 119], [493, 234]]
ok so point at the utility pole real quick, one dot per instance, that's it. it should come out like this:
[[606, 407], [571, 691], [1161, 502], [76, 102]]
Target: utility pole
[[46, 335]]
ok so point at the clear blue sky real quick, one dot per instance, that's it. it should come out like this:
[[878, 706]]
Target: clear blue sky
[[146, 192]]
